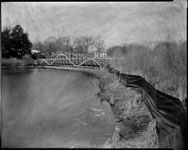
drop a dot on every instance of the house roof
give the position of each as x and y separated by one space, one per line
35 51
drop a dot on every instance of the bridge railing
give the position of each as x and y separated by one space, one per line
77 61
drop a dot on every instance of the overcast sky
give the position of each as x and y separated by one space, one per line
117 23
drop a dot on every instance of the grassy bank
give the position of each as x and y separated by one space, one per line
13 62
135 127
163 66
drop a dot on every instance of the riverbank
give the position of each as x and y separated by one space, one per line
72 68
135 127
11 67
21 63
13 62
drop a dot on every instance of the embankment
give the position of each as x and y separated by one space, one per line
72 68
147 117
17 63
135 126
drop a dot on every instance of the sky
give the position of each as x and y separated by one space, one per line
116 22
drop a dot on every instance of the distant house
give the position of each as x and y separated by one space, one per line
93 50
34 51
38 54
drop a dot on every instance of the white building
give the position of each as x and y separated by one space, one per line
34 51
100 55
93 50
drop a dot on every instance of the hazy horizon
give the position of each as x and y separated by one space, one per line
116 22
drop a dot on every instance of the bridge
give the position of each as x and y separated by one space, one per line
74 60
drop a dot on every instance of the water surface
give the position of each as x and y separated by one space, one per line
53 108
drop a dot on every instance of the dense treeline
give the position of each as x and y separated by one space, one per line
81 44
117 51
15 42
164 65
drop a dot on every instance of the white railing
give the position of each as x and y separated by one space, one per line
56 58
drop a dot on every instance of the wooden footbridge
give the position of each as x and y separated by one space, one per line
74 60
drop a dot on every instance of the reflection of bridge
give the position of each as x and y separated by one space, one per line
75 60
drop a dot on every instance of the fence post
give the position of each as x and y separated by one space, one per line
82 59
78 59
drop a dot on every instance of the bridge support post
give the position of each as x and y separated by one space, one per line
78 59
82 59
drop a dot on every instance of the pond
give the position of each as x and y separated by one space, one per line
44 108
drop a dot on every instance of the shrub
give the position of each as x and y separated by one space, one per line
164 66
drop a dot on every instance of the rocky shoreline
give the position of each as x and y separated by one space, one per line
135 127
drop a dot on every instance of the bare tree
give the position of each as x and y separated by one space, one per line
99 43
50 45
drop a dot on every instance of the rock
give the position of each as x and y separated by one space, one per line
116 135
124 130
111 101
